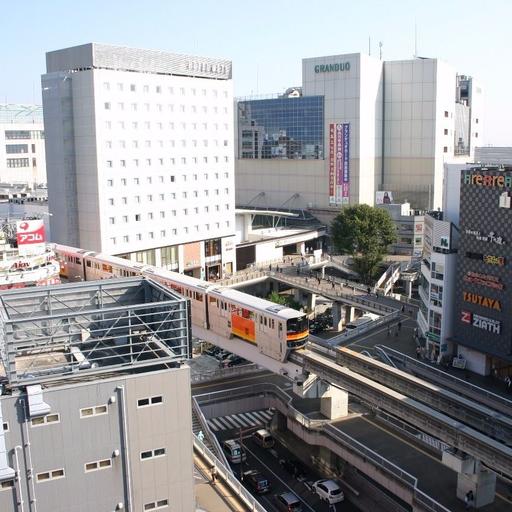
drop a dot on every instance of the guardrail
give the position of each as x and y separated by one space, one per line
349 334
223 373
323 428
461 385
207 431
224 473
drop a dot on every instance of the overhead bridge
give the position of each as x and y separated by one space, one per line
492 453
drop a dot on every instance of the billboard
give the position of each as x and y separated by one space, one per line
339 163
383 197
30 237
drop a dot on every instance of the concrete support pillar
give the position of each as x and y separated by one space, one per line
323 272
297 295
408 288
350 314
301 248
338 316
471 476
312 301
333 401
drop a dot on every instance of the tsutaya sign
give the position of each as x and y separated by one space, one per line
339 163
328 68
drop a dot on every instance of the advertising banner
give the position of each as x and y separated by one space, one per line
332 169
346 164
383 197
30 237
339 163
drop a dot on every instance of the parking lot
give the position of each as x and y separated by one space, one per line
284 473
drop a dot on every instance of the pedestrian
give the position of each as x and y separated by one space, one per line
415 332
333 285
508 382
369 291
403 309
277 268
389 331
200 436
418 352
270 268
332 507
399 325
298 271
213 472
468 499
396 332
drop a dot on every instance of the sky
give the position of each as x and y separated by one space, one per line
267 39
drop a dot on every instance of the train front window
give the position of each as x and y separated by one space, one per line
296 325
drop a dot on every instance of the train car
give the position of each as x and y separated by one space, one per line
72 261
274 329
196 290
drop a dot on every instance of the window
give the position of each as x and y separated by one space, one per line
17 162
107 105
149 179
156 505
50 475
113 240
126 239
151 235
123 181
158 89
174 231
206 209
162 215
151 454
445 149
162 233
146 88
217 207
172 179
446 113
111 201
162 196
476 135
111 220
110 183
8 484
152 400
185 211
5 426
150 197
446 131
137 217
137 199
132 88
138 236
97 465
109 163
120 106
124 200
122 163
196 209
125 218
173 213
97 410
476 120
106 86
17 148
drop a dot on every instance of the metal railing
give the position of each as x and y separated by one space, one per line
226 475
207 431
223 373
460 385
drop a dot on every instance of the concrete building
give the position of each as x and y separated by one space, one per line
493 155
264 236
96 413
357 125
483 298
22 151
140 152
409 228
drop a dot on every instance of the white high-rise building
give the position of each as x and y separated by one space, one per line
22 158
139 147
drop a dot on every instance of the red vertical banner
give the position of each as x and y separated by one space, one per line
332 168
339 163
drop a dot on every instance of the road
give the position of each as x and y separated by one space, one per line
267 461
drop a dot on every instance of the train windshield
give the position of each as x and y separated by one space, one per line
297 325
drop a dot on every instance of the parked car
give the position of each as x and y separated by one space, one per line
288 502
222 355
294 467
328 490
232 360
212 351
257 481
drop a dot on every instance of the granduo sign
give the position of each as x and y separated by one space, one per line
328 68
486 302
481 322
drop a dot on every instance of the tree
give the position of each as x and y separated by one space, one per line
284 300
364 232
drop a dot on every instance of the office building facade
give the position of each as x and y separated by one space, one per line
140 151
22 150
387 125
483 325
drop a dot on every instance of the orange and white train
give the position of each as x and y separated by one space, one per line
274 329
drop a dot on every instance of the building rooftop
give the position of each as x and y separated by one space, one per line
11 113
79 329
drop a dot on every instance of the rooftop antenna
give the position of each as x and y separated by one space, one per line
380 50
415 41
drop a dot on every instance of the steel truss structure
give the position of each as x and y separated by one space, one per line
59 331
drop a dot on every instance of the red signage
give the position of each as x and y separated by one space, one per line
332 168
30 232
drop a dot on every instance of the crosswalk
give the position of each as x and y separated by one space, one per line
240 420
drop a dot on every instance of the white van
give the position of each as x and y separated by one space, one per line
233 451
264 438
362 320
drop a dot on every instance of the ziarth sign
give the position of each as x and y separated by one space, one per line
481 322
329 68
